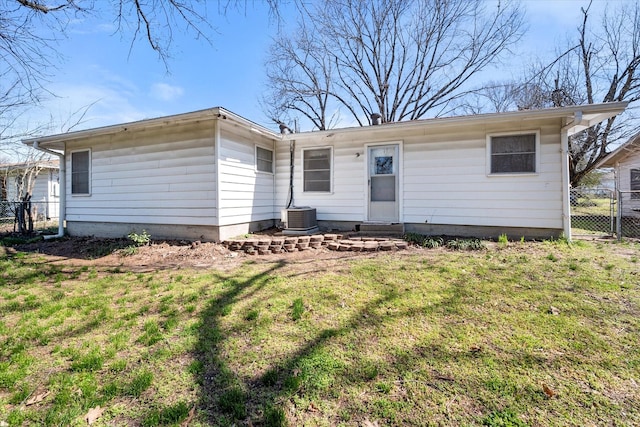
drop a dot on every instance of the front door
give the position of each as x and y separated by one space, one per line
383 183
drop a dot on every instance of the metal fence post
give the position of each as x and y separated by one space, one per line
619 216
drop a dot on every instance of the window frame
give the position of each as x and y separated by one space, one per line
632 172
489 155
88 172
304 170
258 147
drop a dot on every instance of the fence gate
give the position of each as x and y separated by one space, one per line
593 212
628 214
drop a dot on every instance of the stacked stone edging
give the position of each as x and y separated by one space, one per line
334 242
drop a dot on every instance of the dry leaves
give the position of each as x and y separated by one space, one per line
548 391
37 398
93 414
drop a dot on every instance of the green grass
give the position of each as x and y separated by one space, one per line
429 337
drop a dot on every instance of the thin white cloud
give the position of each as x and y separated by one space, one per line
166 92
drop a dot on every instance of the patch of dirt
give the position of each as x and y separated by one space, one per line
112 253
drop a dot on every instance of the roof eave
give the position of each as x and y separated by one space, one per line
57 141
589 115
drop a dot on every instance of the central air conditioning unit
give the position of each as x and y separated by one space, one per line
300 219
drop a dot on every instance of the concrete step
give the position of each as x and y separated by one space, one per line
377 228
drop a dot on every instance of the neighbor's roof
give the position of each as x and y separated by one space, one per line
578 117
629 148
44 164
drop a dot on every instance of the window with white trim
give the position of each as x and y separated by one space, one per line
264 160
635 183
316 170
514 153
80 172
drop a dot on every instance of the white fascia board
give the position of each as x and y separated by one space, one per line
591 115
217 113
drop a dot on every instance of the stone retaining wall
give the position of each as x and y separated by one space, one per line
334 242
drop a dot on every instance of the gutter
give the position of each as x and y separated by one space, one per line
62 174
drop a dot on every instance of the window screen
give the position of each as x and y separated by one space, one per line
317 170
80 172
264 160
513 153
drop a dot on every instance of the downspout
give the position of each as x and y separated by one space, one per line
62 174
566 190
292 150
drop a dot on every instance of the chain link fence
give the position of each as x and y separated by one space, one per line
29 217
628 214
602 212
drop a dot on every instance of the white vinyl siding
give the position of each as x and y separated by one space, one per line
155 176
317 170
246 195
81 172
444 178
628 176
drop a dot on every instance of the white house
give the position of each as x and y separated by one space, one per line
212 174
625 161
45 193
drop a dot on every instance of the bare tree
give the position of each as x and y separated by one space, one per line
299 75
402 59
603 67
600 64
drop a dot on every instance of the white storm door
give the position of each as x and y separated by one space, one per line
383 183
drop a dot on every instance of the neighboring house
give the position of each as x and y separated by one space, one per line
45 193
212 174
625 161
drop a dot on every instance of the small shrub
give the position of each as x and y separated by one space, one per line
466 245
141 239
433 242
415 238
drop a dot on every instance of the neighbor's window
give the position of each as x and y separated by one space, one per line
80 161
317 170
264 160
635 183
513 153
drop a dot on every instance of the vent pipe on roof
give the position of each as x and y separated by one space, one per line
375 119
284 128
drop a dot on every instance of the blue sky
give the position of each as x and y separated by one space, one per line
98 66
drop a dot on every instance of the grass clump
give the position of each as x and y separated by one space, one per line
297 309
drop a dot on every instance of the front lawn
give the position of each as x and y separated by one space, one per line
537 334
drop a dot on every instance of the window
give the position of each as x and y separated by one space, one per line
635 183
317 170
513 153
80 161
264 160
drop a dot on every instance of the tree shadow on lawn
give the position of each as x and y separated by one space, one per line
226 397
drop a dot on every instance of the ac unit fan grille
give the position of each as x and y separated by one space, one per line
301 219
